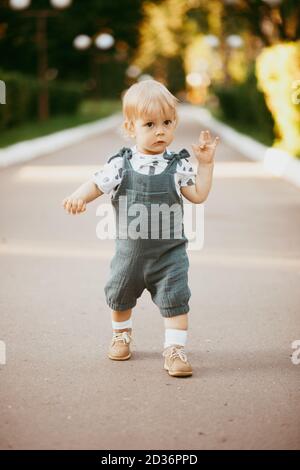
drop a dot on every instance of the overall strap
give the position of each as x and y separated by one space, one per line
125 153
176 157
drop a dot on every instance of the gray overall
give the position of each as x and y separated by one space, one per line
159 264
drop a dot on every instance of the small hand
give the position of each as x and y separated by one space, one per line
74 205
205 150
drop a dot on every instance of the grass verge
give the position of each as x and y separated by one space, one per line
89 111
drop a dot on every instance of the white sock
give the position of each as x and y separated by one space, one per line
173 336
120 325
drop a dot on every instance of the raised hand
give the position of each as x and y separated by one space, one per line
205 150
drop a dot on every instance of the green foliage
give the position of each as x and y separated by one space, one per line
64 97
176 75
22 99
88 111
243 106
111 80
18 48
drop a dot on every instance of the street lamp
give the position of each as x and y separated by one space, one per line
198 82
19 4
61 4
211 40
133 71
102 41
41 17
234 41
82 42
272 3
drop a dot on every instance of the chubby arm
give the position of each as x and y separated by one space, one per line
204 153
76 202
198 192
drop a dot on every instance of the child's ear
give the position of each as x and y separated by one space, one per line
129 126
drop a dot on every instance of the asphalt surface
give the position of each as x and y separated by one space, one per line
58 388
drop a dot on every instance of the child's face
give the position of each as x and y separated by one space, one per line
153 134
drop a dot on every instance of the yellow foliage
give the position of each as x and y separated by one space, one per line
160 31
200 57
277 70
237 65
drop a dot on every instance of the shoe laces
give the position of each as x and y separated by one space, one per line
123 336
175 351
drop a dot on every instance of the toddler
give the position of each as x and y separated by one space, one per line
148 175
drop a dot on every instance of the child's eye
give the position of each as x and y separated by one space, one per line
166 123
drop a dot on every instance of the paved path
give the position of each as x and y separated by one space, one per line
58 388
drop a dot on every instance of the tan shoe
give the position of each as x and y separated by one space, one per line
176 362
119 349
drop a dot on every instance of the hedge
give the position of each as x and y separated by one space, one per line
22 99
244 104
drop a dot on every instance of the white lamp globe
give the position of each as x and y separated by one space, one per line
194 79
104 41
234 41
272 3
61 3
145 76
212 40
82 42
133 71
19 4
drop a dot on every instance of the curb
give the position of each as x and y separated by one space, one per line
30 149
275 161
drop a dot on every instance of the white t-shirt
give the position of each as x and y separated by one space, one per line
109 177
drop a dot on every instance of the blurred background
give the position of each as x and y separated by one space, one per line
67 62
64 63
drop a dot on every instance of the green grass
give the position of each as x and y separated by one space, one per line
89 111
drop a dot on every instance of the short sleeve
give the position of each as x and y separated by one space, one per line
186 173
109 176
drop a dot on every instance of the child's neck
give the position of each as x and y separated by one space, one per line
147 153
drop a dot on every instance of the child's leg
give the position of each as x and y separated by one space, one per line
180 322
176 362
119 349
121 320
176 330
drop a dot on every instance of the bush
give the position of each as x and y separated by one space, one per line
22 99
278 69
65 98
244 105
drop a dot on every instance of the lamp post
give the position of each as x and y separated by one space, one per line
41 17
102 41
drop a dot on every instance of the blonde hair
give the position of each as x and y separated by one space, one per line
145 98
